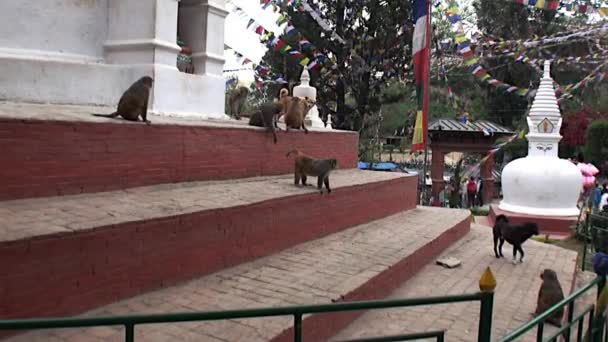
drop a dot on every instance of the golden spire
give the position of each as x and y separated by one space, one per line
487 282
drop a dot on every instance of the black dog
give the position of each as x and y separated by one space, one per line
516 235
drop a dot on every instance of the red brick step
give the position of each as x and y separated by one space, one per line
368 261
63 255
58 150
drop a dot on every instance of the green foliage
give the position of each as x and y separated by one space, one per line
375 39
476 211
596 148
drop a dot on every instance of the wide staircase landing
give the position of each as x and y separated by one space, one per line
365 262
514 300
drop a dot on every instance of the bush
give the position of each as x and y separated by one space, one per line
480 212
596 147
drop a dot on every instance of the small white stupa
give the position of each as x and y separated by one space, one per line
542 184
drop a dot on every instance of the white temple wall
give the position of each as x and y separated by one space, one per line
89 51
75 29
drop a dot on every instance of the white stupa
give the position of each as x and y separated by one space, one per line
542 183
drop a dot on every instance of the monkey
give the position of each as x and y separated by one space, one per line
134 101
236 100
309 166
550 293
284 100
298 108
266 116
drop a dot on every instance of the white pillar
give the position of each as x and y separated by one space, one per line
304 89
201 26
329 123
142 32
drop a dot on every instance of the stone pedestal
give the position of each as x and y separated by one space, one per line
304 89
555 226
106 45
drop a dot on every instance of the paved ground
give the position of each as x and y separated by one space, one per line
314 272
40 216
515 297
20 110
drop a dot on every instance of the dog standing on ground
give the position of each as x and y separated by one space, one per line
516 235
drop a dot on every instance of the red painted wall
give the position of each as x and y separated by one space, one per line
67 274
48 158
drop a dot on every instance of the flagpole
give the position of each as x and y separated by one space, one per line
426 138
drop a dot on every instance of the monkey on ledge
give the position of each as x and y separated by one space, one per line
134 101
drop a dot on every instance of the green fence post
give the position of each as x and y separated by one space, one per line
297 327
487 284
129 332
598 334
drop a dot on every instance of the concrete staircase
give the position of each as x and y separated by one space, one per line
107 217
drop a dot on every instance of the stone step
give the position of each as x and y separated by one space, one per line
67 254
364 262
515 295
50 150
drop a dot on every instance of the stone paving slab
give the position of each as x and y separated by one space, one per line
56 112
515 296
63 214
318 271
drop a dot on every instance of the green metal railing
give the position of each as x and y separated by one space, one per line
595 237
129 322
438 335
596 332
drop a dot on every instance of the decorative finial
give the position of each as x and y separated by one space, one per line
487 282
547 73
305 78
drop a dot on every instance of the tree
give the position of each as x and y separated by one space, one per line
596 147
377 47
512 21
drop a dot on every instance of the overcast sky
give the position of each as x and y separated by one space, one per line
244 41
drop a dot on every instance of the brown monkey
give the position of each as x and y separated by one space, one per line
284 100
266 116
550 293
236 100
298 108
134 102
309 166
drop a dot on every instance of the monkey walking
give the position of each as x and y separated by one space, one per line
298 108
309 166
134 102
266 116
550 293
237 100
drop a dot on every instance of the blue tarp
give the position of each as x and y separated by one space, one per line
377 166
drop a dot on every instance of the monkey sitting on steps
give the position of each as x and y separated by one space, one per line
298 108
308 166
134 101
550 293
237 100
